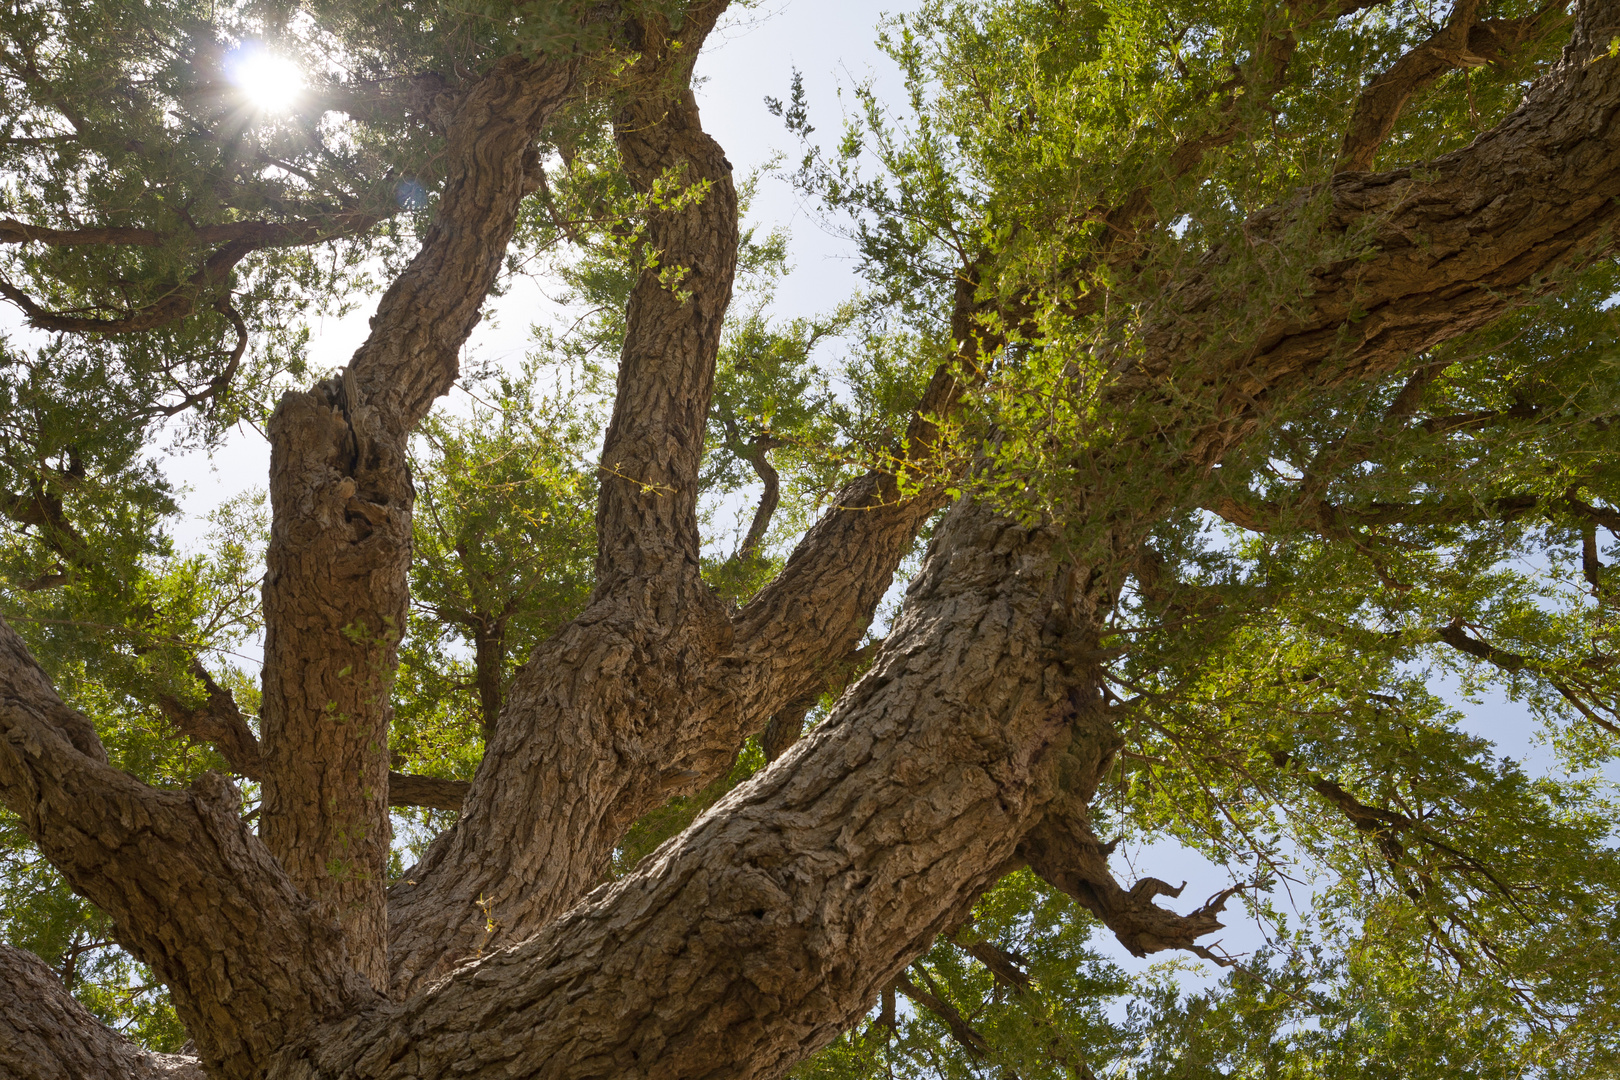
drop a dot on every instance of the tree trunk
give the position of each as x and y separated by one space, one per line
774 921
974 743
337 587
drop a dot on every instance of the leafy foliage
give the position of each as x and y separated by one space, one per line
1276 647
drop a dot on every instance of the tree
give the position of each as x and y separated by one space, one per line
1238 363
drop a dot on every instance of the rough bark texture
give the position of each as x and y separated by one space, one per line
220 723
190 889
337 589
777 918
973 744
46 1035
589 722
1442 251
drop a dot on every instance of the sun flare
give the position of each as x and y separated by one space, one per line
270 83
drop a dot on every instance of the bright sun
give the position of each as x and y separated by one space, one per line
270 82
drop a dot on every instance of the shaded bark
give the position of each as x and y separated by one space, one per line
784 728
756 454
489 670
974 744
219 722
963 1032
1465 41
778 917
583 746
46 1035
405 789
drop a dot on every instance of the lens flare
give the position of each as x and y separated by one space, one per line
270 83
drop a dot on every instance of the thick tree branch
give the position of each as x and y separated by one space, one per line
46 1035
1481 231
191 890
647 510
1002 964
259 234
961 1031
221 382
730 952
390 101
585 737
1596 515
489 668
1063 850
219 722
176 304
784 728
873 834
1250 88
1511 662
336 590
1487 230
438 793
1333 520
41 509
235 240
755 453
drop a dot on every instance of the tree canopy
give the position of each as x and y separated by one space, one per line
1232 396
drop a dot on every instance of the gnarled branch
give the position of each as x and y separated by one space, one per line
192 891
1063 850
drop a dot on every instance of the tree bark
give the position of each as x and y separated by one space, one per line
489 669
974 743
776 919
1495 216
46 1035
191 891
593 713
337 587
1441 251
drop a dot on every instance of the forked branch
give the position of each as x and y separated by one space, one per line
1063 850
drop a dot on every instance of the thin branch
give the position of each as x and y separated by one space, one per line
755 453
961 1031
261 234
219 722
219 383
241 240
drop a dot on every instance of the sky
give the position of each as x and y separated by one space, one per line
752 56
